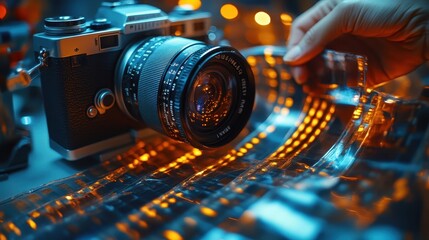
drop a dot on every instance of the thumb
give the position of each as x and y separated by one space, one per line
317 37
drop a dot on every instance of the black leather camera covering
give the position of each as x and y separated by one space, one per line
69 86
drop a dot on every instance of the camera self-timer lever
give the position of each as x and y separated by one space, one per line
21 77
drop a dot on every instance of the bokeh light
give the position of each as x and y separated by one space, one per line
286 19
195 4
229 11
3 11
262 18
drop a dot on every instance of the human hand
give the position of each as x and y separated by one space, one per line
392 34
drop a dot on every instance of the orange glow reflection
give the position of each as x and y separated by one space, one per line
208 212
32 224
172 235
14 228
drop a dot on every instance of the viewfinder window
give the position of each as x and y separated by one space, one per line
109 41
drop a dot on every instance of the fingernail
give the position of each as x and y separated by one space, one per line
300 74
292 54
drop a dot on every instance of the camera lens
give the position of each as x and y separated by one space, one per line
186 89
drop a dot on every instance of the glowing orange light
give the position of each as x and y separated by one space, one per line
148 211
133 218
229 11
35 214
286 19
243 150
272 96
251 60
32 224
172 235
271 73
224 201
262 18
190 221
3 11
144 157
272 82
400 189
271 129
208 212
255 140
194 4
14 228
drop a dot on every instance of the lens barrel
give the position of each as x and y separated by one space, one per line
186 89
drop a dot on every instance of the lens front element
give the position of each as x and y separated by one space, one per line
210 98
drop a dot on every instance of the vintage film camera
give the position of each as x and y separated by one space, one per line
129 70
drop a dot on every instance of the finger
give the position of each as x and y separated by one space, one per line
300 74
317 37
308 19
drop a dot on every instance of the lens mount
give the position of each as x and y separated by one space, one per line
185 89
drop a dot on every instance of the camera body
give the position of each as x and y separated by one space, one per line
78 81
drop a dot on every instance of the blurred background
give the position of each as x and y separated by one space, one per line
245 23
